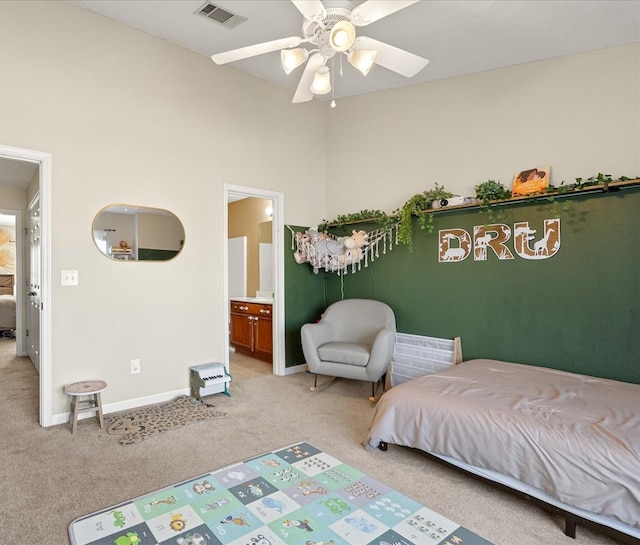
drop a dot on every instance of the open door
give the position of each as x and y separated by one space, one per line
34 304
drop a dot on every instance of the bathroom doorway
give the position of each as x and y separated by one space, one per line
264 268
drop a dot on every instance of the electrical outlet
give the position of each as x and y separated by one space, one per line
135 367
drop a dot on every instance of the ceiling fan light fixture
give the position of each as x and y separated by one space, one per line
342 36
292 58
362 59
321 81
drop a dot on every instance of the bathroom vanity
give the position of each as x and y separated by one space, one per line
251 327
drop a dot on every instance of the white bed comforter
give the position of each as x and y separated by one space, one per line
573 436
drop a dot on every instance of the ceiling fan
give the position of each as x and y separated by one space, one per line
331 30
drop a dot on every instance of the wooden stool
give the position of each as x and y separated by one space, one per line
86 388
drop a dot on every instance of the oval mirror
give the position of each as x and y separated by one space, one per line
137 233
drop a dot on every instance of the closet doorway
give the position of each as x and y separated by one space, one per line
264 278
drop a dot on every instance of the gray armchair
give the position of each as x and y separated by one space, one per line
354 339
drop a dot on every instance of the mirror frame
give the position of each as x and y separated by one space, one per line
121 237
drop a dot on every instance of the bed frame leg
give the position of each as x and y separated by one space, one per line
383 446
570 528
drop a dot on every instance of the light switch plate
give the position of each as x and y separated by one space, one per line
69 278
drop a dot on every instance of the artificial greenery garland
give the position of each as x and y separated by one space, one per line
489 194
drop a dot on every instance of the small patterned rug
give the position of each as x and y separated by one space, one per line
139 424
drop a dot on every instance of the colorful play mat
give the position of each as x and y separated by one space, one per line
297 495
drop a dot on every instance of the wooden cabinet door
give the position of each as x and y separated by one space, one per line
263 338
242 331
251 332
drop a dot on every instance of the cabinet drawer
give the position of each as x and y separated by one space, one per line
255 309
240 308
260 310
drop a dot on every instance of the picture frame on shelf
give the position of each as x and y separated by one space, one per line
530 181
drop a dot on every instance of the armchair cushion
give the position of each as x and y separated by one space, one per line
349 353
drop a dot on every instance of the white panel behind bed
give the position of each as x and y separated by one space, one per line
417 355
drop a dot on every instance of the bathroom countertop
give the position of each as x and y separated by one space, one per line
261 300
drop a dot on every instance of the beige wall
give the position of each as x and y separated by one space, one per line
160 232
244 219
13 198
114 228
580 113
126 119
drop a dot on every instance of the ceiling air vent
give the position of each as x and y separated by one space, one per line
219 15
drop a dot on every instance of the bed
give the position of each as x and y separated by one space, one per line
7 303
571 442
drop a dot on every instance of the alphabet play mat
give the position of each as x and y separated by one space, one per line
297 495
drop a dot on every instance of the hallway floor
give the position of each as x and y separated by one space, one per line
243 367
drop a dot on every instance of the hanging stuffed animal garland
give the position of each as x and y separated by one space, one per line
335 254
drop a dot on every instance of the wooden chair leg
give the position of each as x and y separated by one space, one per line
74 414
316 388
98 403
374 387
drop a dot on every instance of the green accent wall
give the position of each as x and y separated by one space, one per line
304 300
151 254
578 311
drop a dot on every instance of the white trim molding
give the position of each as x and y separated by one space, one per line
44 161
277 226
63 418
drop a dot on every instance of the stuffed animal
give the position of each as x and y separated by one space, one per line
322 251
302 243
358 239
353 245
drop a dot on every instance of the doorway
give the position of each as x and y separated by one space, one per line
11 251
42 161
232 192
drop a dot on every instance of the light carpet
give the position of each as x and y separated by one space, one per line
50 476
144 422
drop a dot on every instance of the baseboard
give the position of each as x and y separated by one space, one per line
63 418
295 369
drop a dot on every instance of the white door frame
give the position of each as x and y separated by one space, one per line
277 227
44 161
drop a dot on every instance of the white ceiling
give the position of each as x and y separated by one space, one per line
457 36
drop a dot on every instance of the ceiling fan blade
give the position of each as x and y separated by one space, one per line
311 9
303 92
393 58
257 49
372 10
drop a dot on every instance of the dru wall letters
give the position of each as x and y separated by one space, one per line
456 244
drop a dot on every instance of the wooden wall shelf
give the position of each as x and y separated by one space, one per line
608 187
